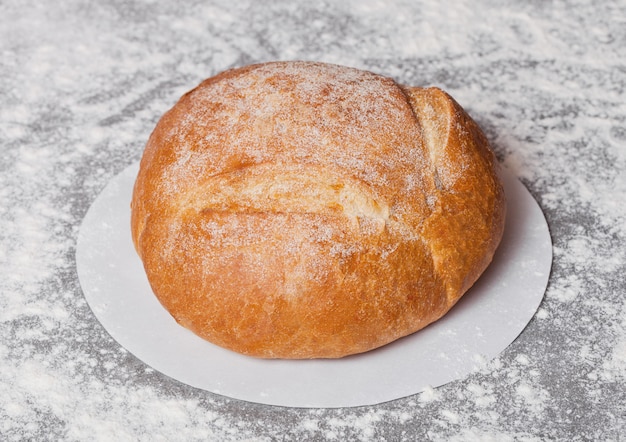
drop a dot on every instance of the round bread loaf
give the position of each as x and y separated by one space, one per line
308 210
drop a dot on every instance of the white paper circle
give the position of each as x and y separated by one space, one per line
486 320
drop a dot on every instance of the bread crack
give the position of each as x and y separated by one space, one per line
273 188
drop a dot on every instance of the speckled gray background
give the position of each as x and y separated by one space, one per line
81 87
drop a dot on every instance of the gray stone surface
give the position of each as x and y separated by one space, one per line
81 87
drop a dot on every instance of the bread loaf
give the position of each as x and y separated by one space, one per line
308 210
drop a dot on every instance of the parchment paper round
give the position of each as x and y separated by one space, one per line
486 320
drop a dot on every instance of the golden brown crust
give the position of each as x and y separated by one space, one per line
301 210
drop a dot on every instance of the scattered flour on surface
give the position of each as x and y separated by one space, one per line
82 87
